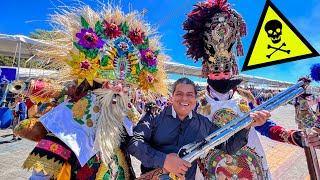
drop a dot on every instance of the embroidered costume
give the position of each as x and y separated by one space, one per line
212 30
111 55
315 75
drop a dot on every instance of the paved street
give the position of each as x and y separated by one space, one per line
285 161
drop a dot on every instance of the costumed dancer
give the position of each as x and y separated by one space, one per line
315 75
20 112
309 123
110 53
213 28
42 95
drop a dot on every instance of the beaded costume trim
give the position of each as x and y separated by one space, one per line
54 148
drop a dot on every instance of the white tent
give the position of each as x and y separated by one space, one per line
10 45
19 46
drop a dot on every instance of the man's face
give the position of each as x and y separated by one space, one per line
219 75
184 99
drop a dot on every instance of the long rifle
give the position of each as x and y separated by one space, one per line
193 151
307 122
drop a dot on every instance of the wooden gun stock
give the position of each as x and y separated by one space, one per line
313 164
152 175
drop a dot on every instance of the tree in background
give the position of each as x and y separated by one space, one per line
13 62
38 34
44 34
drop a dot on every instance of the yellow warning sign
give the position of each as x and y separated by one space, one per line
276 41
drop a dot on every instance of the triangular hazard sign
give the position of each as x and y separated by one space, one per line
276 41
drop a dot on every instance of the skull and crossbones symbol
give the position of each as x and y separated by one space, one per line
274 30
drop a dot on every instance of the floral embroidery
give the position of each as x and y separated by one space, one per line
284 135
245 164
93 160
81 109
204 110
85 172
54 148
244 108
204 102
223 116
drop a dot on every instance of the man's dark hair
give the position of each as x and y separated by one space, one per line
184 80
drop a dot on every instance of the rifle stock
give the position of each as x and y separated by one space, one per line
307 122
152 175
312 162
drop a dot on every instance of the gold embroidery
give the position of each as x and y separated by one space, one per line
173 177
204 110
247 95
96 109
79 108
54 147
244 108
233 171
48 166
133 116
284 135
102 171
123 163
89 123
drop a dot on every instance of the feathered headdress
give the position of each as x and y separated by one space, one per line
315 72
105 46
110 47
212 30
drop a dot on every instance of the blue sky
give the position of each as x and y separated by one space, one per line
169 15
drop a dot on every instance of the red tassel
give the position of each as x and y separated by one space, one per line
205 72
235 70
243 29
223 5
239 48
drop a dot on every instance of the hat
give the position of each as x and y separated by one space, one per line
212 30
106 46
20 95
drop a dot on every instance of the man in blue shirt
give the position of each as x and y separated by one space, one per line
20 112
157 141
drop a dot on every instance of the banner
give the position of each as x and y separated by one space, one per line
7 74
